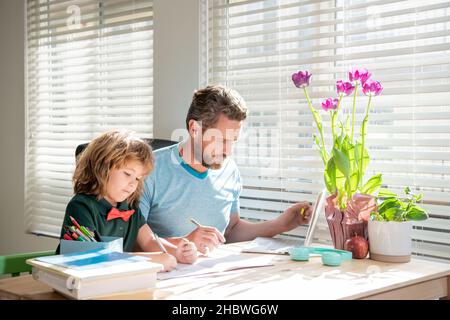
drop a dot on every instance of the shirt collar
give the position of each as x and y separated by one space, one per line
107 206
187 167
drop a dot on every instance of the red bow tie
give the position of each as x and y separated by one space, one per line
116 213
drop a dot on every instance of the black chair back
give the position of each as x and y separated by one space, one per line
154 143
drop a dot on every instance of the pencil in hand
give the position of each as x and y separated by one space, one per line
158 241
196 223
302 211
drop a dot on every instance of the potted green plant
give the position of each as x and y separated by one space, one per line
350 198
390 226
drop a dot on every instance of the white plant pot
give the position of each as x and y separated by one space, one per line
390 241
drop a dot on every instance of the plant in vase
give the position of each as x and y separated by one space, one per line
350 199
390 227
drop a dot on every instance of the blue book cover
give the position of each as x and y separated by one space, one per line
98 258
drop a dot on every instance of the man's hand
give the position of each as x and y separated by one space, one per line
186 251
206 238
299 213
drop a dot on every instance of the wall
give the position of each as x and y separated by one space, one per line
175 78
12 128
176 63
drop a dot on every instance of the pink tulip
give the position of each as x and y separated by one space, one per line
361 75
345 88
371 87
330 103
301 79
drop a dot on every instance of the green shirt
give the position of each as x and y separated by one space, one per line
92 213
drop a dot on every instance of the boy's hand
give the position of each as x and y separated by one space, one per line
167 260
186 251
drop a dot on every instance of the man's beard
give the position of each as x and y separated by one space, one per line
198 155
213 166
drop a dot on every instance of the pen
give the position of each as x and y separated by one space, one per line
163 249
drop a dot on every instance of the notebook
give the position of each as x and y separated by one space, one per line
280 245
95 273
217 262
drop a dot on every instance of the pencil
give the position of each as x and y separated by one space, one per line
74 222
163 249
302 210
219 235
196 223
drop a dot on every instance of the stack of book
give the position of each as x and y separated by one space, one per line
95 273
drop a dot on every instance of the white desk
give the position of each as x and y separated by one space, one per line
287 279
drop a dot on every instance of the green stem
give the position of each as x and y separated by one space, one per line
317 120
333 118
363 138
353 111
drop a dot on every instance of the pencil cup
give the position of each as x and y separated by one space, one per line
110 243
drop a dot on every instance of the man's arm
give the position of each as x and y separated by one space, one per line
147 197
241 230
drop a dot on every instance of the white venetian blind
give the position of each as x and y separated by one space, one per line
89 69
256 45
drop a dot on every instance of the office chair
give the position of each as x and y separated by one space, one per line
154 143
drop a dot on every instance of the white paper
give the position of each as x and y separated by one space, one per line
216 262
272 245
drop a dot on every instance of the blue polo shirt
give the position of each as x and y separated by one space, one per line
174 193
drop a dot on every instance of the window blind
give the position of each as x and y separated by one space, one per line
256 45
89 69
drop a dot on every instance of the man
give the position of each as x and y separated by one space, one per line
197 179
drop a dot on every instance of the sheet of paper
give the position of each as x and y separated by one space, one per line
216 262
272 245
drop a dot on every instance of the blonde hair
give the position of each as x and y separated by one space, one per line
111 150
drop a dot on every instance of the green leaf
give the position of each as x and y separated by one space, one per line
418 198
330 176
407 190
348 148
416 213
354 178
372 185
392 214
342 162
340 181
385 193
389 203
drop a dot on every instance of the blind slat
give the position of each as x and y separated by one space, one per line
255 46
80 83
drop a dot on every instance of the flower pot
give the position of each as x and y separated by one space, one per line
346 224
390 241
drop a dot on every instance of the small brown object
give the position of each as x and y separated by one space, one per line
358 246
